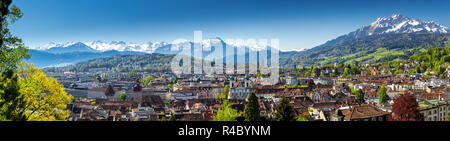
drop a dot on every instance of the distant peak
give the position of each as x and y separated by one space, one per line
398 23
394 16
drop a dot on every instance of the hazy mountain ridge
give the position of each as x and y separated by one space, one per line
44 59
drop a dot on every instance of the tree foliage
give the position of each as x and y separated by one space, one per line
163 119
369 49
405 108
360 96
226 90
252 111
12 103
45 98
284 111
12 52
382 95
304 117
224 93
123 96
147 80
172 117
109 91
226 112
436 60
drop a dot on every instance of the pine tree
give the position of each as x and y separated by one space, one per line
252 111
360 96
109 91
284 110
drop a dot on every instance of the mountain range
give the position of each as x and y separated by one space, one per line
387 38
55 55
395 24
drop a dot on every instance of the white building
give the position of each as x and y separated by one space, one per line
239 89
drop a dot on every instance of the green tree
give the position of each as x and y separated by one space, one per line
252 111
12 103
217 95
46 99
418 70
304 117
306 74
360 96
284 111
170 86
147 80
346 72
224 93
172 117
226 90
163 119
123 96
382 95
295 86
226 112
259 75
314 71
12 52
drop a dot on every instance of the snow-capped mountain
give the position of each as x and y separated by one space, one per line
395 33
149 47
398 23
294 50
67 48
53 54
395 24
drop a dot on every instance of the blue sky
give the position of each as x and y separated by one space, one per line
298 24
